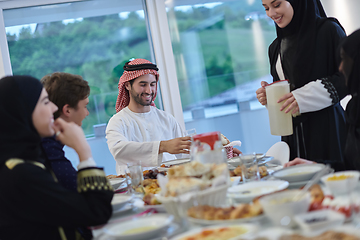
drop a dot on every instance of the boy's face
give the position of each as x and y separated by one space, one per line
80 113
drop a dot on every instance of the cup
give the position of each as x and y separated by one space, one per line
249 167
136 175
280 122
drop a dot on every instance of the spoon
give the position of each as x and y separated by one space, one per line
313 180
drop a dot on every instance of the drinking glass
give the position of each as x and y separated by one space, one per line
249 167
136 175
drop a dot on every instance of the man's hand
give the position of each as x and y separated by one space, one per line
298 161
176 145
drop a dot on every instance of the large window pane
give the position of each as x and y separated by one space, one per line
90 38
220 50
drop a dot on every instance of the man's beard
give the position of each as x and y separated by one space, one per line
138 99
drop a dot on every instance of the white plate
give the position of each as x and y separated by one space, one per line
298 173
139 228
204 222
248 191
116 182
251 228
119 200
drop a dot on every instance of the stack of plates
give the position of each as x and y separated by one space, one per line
298 175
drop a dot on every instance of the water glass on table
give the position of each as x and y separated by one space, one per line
136 175
249 167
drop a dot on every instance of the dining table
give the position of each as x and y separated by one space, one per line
135 209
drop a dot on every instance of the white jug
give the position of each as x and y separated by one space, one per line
280 122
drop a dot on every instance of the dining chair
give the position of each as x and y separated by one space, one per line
280 151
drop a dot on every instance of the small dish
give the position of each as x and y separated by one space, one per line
119 200
247 192
298 173
139 228
320 220
342 182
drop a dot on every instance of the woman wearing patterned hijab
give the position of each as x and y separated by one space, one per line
304 53
33 205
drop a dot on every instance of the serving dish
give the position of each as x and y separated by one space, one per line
166 165
247 192
298 173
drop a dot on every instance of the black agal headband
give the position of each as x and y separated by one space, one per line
128 67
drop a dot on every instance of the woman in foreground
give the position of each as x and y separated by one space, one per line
33 205
350 62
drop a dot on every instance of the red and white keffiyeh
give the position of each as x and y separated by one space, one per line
123 98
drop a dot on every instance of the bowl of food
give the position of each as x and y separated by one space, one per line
281 207
341 182
298 173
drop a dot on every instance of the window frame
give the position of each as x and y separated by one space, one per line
155 12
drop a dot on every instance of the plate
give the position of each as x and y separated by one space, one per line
139 228
298 173
247 192
116 182
250 228
119 200
204 222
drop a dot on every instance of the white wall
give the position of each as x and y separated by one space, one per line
346 11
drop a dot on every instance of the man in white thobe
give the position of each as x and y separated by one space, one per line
139 131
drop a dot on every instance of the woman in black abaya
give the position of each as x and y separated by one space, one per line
350 60
33 205
304 53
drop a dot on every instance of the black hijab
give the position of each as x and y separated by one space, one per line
18 136
351 47
308 16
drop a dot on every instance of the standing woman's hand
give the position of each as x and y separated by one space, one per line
72 135
261 93
290 103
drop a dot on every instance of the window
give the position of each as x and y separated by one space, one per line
93 39
220 51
